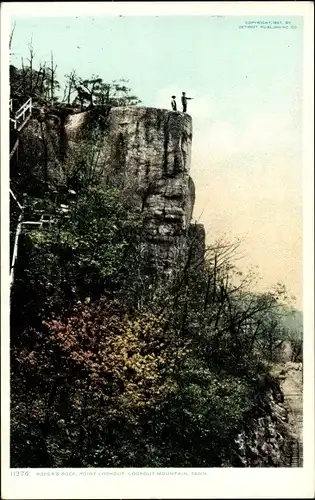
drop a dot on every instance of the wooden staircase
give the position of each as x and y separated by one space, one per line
18 120
22 115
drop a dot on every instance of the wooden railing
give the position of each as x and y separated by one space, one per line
15 199
19 119
45 221
21 116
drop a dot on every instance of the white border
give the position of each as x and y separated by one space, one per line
216 483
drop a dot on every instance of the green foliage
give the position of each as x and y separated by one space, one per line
166 383
230 325
95 92
204 416
87 249
109 389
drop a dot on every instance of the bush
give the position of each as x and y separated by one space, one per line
95 371
93 247
204 416
101 388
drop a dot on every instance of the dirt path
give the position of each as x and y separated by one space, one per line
291 376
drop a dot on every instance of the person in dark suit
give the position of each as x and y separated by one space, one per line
184 101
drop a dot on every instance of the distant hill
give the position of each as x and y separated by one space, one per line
293 320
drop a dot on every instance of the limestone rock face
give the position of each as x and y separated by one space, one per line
149 150
264 439
38 152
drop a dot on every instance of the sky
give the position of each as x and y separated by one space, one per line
247 113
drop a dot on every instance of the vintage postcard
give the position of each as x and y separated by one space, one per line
157 250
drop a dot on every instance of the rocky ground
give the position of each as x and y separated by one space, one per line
291 377
273 432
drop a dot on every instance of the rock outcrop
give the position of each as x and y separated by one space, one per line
273 428
149 150
263 442
291 377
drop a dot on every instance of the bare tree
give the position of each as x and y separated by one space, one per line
70 86
52 77
24 91
11 37
30 60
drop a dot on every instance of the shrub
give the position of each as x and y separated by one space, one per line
95 371
94 247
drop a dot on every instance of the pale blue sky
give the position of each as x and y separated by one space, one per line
209 54
247 89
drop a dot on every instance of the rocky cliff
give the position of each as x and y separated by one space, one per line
149 149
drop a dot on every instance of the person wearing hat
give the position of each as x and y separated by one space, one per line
173 103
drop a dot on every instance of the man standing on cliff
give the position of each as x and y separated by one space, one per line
184 101
173 103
